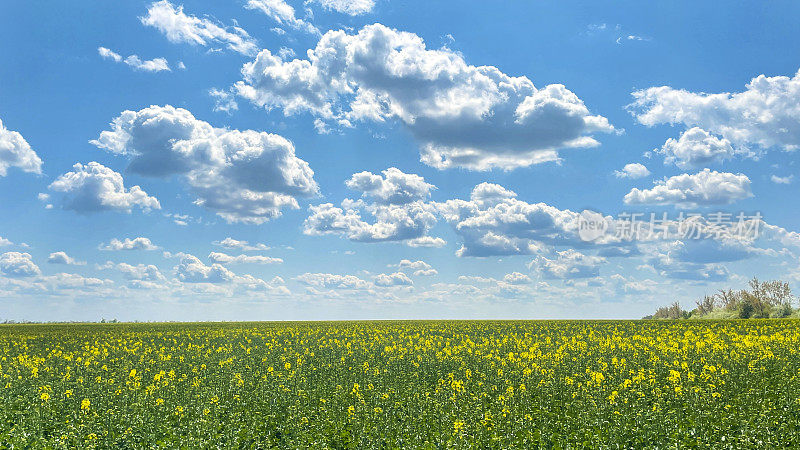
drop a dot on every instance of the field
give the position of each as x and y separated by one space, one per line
450 384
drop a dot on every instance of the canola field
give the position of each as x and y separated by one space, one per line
438 384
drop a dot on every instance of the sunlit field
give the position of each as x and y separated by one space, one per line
569 384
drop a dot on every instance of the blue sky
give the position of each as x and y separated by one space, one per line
194 161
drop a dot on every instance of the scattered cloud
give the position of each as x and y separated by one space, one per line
462 115
231 243
282 13
137 243
764 114
16 152
18 265
349 7
244 176
133 61
782 180
180 27
63 258
696 147
568 264
704 188
192 270
632 170
224 101
394 187
393 279
224 258
94 187
333 281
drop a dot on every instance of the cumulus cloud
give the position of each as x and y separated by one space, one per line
180 27
418 268
333 281
139 272
16 152
349 7
94 187
136 63
426 241
391 222
393 279
192 270
633 170
516 278
493 223
244 176
282 13
696 147
63 258
468 116
764 114
689 191
231 243
394 187
18 265
138 243
224 258
568 264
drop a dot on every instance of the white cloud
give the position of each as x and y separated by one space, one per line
179 27
231 243
493 222
468 116
63 258
107 53
224 258
392 222
224 101
333 281
133 61
393 279
669 267
394 187
16 152
426 241
138 243
516 278
94 187
632 170
569 264
349 7
139 272
244 176
696 147
766 113
192 270
18 265
411 265
688 191
782 180
282 13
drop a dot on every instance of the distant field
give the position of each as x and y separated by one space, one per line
402 384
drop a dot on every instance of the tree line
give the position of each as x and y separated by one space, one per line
763 299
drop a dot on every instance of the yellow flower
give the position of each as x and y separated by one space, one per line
85 404
44 396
